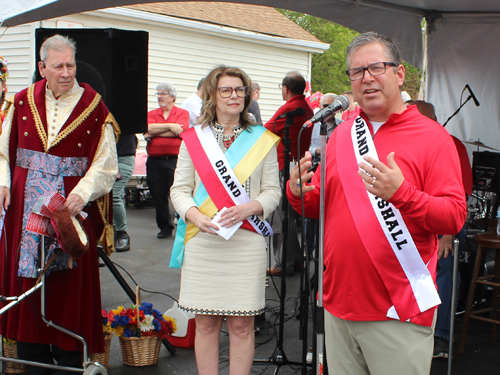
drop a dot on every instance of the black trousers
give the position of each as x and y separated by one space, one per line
160 177
44 353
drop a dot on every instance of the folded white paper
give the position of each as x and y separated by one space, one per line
224 232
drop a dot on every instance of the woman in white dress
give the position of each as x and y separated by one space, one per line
225 278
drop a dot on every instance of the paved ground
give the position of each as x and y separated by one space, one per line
147 264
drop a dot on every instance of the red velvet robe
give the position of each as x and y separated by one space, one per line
73 298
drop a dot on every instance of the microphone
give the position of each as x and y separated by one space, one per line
341 103
298 112
472 94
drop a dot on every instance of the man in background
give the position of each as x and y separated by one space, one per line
254 108
125 148
194 103
331 125
165 124
292 91
352 110
444 278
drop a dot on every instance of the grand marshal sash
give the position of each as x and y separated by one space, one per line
222 176
389 244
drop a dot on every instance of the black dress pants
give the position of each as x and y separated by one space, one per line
160 177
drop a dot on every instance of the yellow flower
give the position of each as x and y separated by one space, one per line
118 310
119 330
106 328
172 321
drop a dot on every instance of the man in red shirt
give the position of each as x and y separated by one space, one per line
393 182
292 90
165 124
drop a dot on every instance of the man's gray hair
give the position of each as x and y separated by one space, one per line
56 42
255 86
391 49
168 88
330 94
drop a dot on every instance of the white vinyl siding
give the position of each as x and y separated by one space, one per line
17 46
178 54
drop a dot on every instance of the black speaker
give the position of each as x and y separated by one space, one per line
486 171
115 63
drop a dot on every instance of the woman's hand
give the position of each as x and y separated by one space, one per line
235 214
202 222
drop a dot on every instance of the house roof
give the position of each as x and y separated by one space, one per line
260 19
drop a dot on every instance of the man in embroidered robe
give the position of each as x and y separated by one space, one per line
58 137
393 183
292 90
165 124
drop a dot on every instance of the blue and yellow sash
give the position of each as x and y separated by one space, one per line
244 156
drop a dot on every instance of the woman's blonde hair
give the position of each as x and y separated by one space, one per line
208 112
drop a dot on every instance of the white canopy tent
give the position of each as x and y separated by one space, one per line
463 45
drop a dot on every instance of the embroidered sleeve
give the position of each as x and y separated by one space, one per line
4 149
101 176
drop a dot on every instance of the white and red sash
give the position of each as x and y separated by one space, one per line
389 244
243 157
220 180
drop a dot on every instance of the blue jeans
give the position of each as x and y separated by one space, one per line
126 165
444 280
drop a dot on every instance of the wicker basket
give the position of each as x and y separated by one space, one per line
10 350
103 358
140 352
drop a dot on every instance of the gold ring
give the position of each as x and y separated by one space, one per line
233 220
374 180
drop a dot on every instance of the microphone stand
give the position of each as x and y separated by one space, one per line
458 110
320 312
279 358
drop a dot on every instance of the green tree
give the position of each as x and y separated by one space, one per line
328 69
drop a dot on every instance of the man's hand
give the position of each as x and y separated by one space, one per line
75 204
4 198
445 246
176 129
380 179
163 129
295 182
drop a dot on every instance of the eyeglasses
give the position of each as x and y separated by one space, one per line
325 105
374 69
280 85
226 91
162 94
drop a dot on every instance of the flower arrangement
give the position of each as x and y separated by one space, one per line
7 341
123 322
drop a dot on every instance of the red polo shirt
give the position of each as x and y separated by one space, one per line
167 146
279 128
